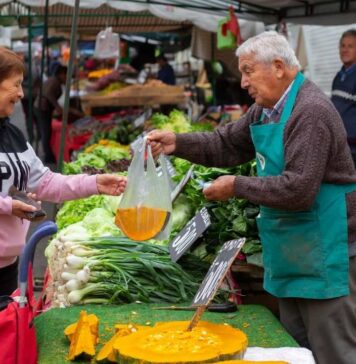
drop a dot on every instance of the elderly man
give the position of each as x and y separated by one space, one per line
344 87
306 187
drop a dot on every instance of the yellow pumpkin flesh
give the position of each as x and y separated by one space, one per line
170 342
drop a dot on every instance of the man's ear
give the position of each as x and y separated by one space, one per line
279 68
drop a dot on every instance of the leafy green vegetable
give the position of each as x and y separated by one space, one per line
176 122
75 210
101 222
108 153
231 219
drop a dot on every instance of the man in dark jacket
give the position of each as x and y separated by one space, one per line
166 72
44 108
306 189
344 87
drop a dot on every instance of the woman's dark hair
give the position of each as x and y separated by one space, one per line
10 64
348 33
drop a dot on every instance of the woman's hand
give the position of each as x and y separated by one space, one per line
110 184
161 142
20 208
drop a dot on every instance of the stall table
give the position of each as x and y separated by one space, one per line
136 95
260 325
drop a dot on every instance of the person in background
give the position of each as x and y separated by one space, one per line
165 72
53 64
20 167
343 93
47 106
35 85
306 189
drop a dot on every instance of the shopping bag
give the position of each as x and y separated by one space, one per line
228 34
107 44
144 211
17 332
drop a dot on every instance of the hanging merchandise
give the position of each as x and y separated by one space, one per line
107 44
145 208
228 34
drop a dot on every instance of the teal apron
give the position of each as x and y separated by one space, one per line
305 254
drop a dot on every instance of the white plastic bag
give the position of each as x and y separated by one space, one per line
145 209
107 44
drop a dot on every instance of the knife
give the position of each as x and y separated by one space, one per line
213 307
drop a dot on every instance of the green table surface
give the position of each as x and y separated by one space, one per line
260 325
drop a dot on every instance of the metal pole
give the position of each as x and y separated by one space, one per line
30 98
44 43
72 57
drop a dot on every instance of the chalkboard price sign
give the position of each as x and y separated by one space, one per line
191 232
170 168
217 271
182 184
142 118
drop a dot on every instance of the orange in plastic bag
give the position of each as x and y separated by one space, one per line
145 208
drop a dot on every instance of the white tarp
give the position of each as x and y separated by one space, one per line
311 12
205 22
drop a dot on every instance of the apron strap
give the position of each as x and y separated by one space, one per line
288 107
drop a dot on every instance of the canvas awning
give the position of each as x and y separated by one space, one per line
322 12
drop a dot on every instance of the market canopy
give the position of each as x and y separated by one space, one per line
323 12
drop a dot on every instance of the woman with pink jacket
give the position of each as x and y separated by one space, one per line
20 167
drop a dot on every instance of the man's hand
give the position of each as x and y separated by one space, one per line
222 189
161 142
111 184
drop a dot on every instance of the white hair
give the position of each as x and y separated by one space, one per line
268 46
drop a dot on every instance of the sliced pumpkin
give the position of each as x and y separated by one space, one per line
93 323
107 352
82 341
250 362
170 342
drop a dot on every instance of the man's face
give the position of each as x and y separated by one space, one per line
348 50
260 80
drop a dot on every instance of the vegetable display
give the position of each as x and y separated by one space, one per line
91 261
118 270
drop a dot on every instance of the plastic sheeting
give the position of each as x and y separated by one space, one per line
311 12
208 22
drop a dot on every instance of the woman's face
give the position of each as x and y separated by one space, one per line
10 93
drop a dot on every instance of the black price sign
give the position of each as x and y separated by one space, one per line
170 168
159 171
191 232
182 184
217 271
142 118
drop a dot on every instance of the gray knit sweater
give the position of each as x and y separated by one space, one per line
315 151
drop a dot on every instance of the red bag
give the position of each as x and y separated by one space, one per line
17 330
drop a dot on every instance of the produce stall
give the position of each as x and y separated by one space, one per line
94 267
152 93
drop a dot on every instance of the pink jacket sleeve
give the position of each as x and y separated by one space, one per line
56 187
6 205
